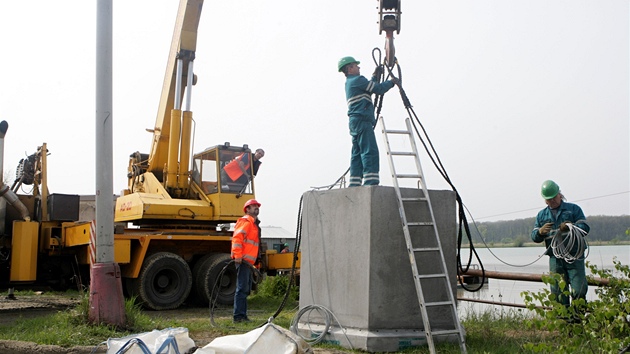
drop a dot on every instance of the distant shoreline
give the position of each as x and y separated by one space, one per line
533 244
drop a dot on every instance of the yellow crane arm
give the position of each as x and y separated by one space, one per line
183 46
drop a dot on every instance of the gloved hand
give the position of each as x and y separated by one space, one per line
395 80
545 229
378 71
564 226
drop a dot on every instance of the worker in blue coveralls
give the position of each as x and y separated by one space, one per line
364 165
555 221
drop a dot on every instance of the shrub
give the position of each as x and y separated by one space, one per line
276 287
598 326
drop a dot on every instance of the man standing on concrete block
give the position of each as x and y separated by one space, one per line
364 164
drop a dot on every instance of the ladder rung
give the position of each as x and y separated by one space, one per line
413 199
393 131
429 276
407 176
419 224
425 249
445 332
438 303
402 153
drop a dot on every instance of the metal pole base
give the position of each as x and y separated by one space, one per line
107 304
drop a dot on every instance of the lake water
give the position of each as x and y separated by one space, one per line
518 260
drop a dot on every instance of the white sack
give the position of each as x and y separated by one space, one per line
153 340
267 339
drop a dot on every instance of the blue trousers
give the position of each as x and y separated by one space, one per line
243 288
574 274
364 163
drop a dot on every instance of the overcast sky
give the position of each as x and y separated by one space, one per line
511 93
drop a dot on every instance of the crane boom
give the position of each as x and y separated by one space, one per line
183 46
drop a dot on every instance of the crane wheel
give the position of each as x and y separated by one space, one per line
197 294
210 278
164 281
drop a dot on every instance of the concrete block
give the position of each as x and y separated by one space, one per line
355 263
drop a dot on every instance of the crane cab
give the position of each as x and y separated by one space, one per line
224 169
220 182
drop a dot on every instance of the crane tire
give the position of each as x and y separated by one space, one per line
164 281
207 275
195 296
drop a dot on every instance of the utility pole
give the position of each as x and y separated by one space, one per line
106 298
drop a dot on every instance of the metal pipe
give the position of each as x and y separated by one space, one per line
189 85
4 126
510 304
525 276
13 199
178 84
186 131
5 191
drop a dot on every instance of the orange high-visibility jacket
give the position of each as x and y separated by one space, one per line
246 239
233 169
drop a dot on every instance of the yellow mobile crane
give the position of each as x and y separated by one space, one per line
181 214
171 238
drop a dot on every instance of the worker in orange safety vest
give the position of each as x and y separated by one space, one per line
238 170
245 242
237 167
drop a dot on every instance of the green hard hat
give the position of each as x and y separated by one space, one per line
549 189
345 61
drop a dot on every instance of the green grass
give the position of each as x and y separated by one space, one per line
490 332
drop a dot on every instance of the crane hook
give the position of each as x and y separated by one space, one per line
389 21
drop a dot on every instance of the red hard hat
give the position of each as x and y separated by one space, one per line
250 202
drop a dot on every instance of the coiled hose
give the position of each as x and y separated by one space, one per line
315 336
571 245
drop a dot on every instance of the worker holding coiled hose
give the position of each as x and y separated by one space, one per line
563 227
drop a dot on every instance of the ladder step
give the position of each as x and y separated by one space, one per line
438 303
402 153
430 276
426 249
407 176
413 199
419 224
394 131
445 332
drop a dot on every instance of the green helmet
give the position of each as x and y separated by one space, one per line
345 61
549 189
286 245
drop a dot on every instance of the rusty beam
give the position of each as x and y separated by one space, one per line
526 276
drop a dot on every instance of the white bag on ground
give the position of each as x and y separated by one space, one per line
153 341
264 340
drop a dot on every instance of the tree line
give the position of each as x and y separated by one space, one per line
603 228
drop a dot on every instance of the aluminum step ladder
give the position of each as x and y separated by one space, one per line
432 281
